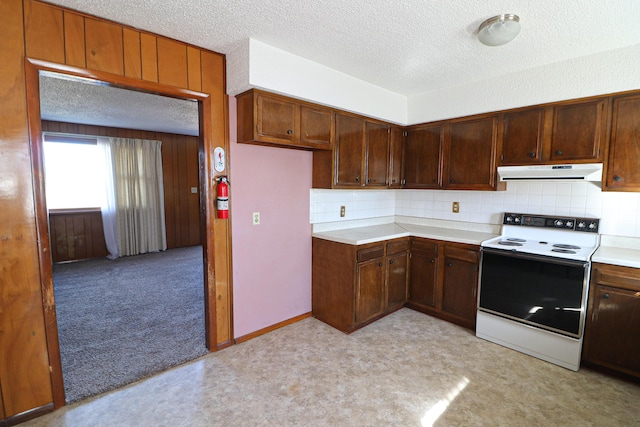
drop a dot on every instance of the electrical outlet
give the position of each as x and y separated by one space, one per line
455 208
256 218
342 211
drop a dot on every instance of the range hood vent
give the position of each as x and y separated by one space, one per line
586 172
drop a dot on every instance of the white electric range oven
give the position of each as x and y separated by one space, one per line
534 282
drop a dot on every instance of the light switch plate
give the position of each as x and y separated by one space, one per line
256 218
455 207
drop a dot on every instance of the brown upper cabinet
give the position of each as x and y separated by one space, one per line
361 152
352 151
269 119
568 132
469 154
622 172
423 156
521 134
457 154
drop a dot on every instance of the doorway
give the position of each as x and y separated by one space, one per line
204 105
125 319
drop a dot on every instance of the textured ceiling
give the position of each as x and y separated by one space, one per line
408 47
77 101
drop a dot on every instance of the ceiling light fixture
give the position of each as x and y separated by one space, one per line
499 30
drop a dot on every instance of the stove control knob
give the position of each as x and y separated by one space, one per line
516 220
558 223
569 224
592 225
582 224
508 219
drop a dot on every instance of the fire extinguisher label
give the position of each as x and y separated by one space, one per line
223 204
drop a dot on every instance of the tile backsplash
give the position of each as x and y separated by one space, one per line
619 212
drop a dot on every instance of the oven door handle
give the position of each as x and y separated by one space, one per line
552 260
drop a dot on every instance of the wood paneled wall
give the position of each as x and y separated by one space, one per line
180 171
66 37
24 363
76 234
58 39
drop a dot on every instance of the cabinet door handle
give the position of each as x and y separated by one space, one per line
390 261
605 296
452 180
532 154
393 180
559 152
617 178
433 261
449 264
435 181
289 132
379 264
357 179
368 180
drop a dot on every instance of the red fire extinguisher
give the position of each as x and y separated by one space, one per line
222 197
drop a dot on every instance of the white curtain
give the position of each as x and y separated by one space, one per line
109 223
133 215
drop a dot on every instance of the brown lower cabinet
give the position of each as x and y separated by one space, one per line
612 339
443 280
355 285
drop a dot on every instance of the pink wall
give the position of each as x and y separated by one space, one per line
271 261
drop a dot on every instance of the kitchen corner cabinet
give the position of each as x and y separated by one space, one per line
443 280
269 119
361 152
567 132
396 158
613 319
622 172
354 285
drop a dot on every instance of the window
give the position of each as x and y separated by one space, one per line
74 172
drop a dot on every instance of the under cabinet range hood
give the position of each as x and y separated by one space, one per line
585 172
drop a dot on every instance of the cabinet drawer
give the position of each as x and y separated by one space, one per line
397 247
621 277
370 253
463 254
424 245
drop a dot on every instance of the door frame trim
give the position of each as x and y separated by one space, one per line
33 67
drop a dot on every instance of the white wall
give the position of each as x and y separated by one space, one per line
608 72
619 212
278 71
256 64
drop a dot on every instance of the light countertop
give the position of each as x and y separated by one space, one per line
378 233
617 256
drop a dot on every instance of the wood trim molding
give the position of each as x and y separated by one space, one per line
118 80
42 229
272 328
27 415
